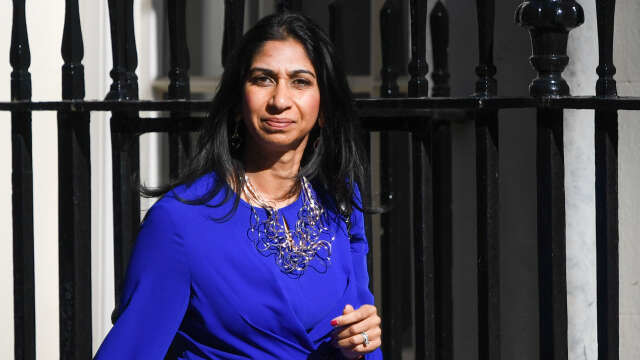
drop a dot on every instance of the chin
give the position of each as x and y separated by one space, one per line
280 143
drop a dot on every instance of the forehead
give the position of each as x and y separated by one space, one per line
284 55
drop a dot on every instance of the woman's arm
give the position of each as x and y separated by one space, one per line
365 318
155 294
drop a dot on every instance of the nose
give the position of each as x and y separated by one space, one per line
281 98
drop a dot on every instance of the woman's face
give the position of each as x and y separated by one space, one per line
281 97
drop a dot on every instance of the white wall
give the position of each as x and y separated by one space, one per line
626 55
580 193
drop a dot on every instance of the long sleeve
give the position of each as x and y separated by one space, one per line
155 295
359 249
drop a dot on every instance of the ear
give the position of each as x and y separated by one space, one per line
320 120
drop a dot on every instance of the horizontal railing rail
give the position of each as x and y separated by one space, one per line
366 107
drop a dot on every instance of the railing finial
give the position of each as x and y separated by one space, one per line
549 23
606 85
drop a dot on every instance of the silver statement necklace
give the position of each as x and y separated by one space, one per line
293 249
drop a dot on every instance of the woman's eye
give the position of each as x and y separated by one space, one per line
261 80
301 82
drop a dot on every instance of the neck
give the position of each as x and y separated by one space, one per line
274 174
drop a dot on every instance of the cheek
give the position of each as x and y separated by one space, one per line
251 104
311 104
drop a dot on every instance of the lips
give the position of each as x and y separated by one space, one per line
278 123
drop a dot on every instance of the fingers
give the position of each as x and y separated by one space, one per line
350 326
363 312
347 309
356 329
356 342
361 349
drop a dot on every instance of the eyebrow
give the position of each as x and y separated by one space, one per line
273 74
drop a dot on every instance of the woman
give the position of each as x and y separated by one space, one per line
258 251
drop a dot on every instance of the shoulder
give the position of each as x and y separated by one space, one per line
183 201
195 189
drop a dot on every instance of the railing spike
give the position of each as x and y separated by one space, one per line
20 54
124 53
486 70
179 87
606 177
22 194
418 67
439 21
289 5
388 35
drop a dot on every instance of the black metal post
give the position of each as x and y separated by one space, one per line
179 88
392 324
442 189
74 203
606 156
487 170
124 141
549 23
22 195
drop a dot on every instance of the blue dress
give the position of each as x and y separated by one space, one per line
201 287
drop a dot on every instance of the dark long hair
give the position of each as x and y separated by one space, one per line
334 164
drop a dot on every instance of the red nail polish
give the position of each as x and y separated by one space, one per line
334 322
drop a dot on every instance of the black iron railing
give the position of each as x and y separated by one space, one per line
428 121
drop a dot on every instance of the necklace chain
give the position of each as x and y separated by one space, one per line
272 236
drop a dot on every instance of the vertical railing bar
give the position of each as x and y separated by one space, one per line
179 87
487 174
606 157
333 21
124 141
442 189
391 326
233 26
549 23
551 235
22 195
366 144
424 251
74 204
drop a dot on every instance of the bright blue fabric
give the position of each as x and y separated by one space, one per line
203 285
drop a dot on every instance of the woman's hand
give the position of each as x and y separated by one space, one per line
353 327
